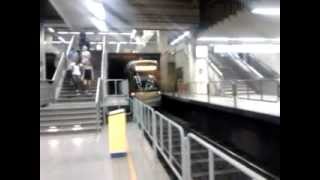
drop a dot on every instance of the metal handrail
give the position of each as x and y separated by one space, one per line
98 102
146 117
259 88
214 151
152 123
60 71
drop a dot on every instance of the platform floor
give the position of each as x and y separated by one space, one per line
85 157
272 108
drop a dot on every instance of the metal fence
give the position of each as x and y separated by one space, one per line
181 151
267 90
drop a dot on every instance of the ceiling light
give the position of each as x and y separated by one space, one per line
133 34
145 68
239 39
99 47
247 48
61 39
99 24
66 32
185 34
267 11
51 30
89 33
96 8
118 48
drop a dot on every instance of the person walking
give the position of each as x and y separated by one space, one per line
88 69
76 75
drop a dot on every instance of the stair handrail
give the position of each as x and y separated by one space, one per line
98 100
61 68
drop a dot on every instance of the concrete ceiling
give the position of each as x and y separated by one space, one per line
128 14
246 24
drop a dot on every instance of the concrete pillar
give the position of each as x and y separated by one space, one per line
42 54
162 41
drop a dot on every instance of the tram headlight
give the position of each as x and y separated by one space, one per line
159 92
133 94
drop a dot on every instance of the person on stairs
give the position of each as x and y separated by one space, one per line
88 69
76 75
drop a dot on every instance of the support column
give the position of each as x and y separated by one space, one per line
162 41
42 53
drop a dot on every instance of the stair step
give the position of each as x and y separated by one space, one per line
76 99
70 129
68 123
67 112
75 95
66 118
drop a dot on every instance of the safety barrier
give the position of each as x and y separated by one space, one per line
176 147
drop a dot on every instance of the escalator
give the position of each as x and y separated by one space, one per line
229 67
265 70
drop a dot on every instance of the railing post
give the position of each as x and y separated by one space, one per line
234 93
154 130
211 165
208 91
261 90
278 91
186 172
170 141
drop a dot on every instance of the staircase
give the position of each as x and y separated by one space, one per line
73 112
242 89
69 117
68 93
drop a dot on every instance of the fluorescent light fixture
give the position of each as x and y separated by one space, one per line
112 42
179 38
118 48
99 24
114 33
76 128
267 11
133 34
61 39
145 68
66 32
89 33
51 30
96 8
201 51
92 42
218 39
239 39
248 48
99 47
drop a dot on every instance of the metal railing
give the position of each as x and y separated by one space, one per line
59 74
166 135
174 145
214 153
267 90
98 99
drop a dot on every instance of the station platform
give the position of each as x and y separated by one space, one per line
85 156
255 105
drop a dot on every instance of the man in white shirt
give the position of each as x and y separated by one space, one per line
76 75
88 69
